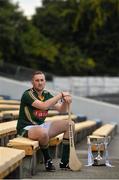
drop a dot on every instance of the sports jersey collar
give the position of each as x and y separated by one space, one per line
36 94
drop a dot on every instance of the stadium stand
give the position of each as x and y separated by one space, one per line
83 128
55 143
108 129
7 131
98 142
29 146
11 162
8 107
13 102
32 148
9 115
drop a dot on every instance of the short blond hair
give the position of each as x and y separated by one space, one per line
37 72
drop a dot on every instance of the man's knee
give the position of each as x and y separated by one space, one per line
44 139
44 136
37 134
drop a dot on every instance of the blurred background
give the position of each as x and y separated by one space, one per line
75 42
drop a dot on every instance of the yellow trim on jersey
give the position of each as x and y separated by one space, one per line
41 97
32 95
28 115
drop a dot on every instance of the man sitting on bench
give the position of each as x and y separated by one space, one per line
35 103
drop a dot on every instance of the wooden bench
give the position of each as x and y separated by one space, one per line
9 107
13 114
11 102
1 117
7 129
105 130
10 162
8 115
31 148
82 129
61 117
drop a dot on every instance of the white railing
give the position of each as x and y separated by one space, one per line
87 86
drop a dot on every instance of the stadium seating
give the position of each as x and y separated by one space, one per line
7 130
9 107
10 162
29 146
8 115
85 128
12 102
105 131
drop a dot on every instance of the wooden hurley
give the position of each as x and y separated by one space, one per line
74 163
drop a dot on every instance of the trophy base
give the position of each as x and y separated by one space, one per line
100 162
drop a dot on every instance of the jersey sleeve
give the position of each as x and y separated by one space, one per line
28 97
47 94
50 95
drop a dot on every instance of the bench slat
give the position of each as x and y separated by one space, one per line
8 107
82 125
104 130
24 141
7 127
56 140
8 158
4 101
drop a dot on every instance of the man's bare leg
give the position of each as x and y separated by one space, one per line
58 127
41 134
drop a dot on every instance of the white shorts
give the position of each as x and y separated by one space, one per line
45 125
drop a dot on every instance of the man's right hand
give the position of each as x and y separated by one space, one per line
67 97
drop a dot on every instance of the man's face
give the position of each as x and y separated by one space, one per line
39 81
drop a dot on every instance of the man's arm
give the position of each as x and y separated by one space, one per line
53 102
63 106
48 103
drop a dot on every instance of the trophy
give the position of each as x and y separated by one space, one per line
98 160
97 151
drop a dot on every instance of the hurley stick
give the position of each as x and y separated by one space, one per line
74 163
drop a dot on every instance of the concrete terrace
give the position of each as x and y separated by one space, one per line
93 172
93 110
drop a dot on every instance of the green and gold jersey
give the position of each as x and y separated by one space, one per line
29 115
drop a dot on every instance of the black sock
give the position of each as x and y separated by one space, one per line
45 151
65 151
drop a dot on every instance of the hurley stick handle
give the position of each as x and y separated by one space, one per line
69 111
74 163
